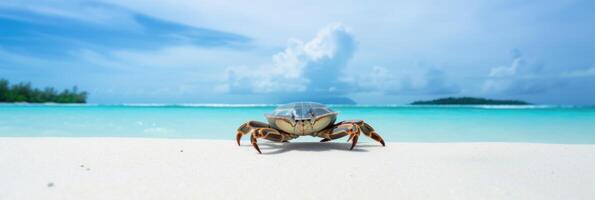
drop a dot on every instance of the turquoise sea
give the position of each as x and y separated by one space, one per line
396 123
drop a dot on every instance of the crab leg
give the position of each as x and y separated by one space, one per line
350 137
248 127
354 140
343 129
353 129
260 130
367 130
370 132
269 134
336 132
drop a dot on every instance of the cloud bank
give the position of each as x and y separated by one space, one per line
433 81
315 69
527 77
308 68
520 77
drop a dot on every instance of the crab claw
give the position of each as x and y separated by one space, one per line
239 137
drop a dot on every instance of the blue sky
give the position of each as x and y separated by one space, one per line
276 51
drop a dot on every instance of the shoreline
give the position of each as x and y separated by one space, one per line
231 105
155 168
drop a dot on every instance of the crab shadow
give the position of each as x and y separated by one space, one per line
278 148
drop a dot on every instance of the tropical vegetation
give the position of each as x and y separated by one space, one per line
469 101
24 92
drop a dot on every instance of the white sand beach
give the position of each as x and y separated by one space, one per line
136 168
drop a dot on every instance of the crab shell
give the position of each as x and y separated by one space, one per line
302 118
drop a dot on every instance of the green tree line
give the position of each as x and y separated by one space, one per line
469 101
24 92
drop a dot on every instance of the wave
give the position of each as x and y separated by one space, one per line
462 106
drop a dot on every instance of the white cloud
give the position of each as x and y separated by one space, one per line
380 79
580 73
524 77
377 79
504 71
316 67
178 57
311 66
520 77
97 13
11 57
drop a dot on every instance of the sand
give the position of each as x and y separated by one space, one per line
135 168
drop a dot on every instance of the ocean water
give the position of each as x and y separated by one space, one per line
396 123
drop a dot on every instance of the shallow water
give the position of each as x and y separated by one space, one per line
543 124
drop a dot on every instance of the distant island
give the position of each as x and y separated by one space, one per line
469 101
23 92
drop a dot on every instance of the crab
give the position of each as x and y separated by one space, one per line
293 120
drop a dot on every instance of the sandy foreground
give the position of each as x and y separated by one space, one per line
130 168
